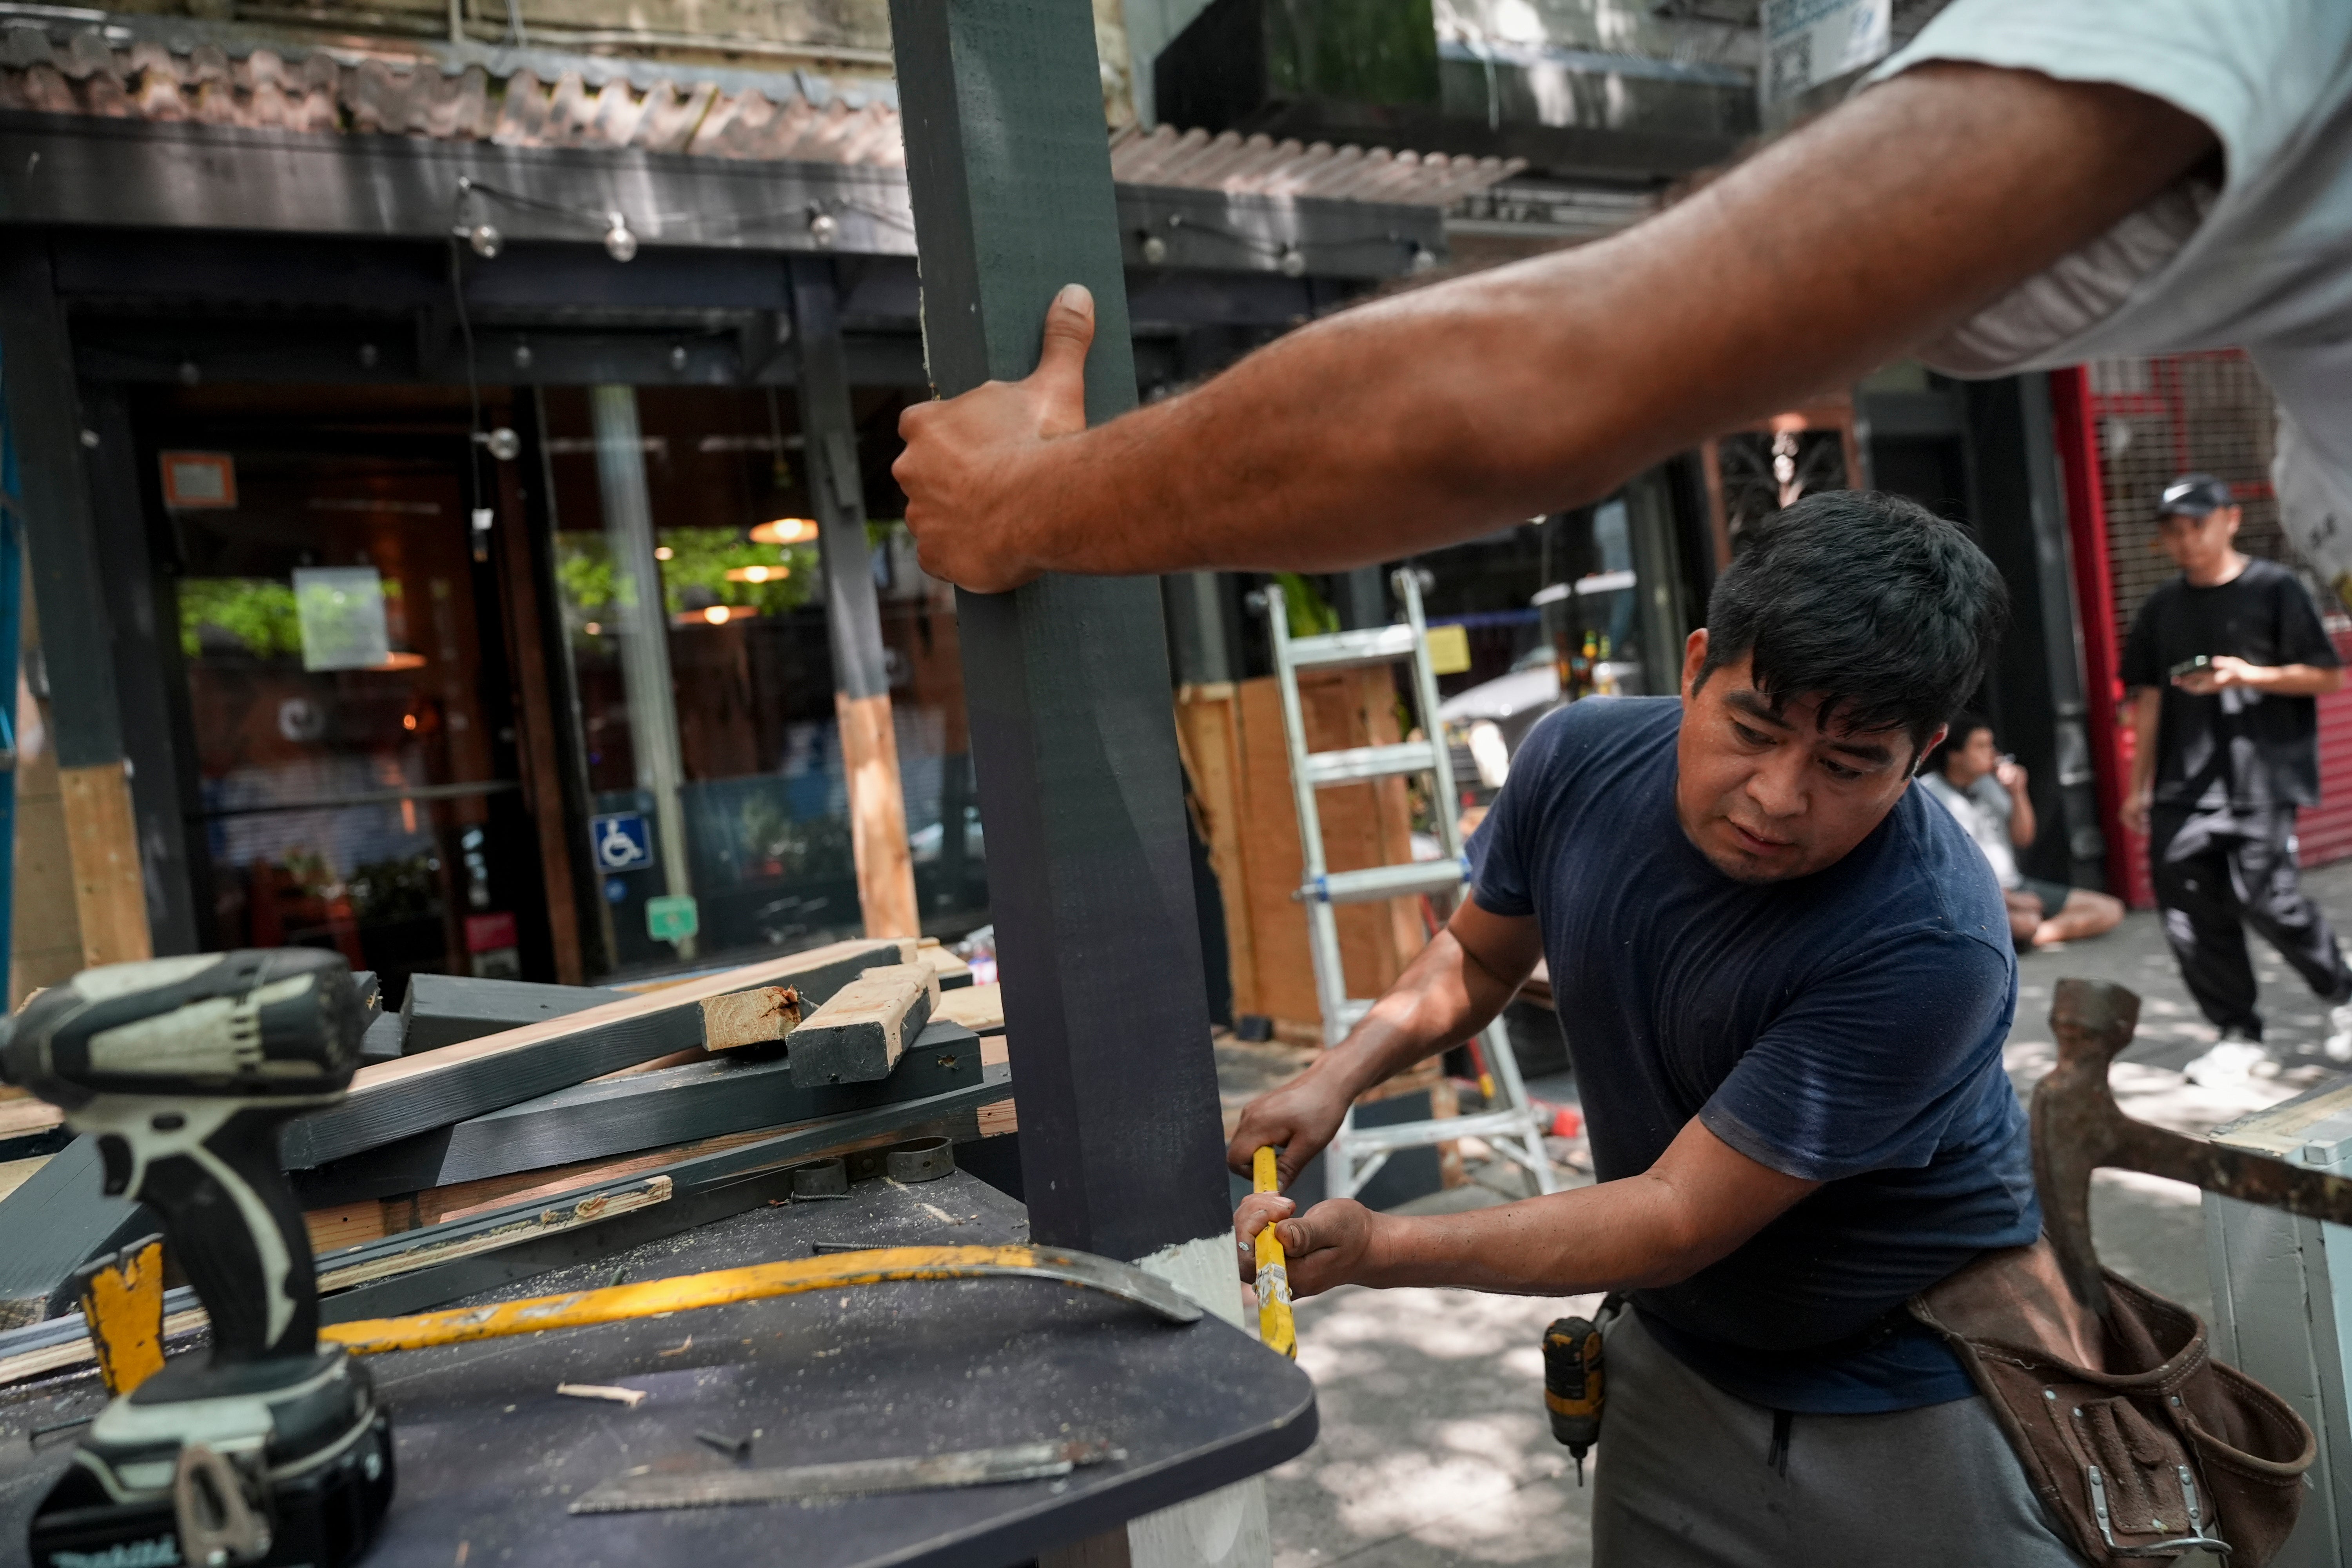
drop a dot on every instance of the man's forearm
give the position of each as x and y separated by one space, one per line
2295 679
1444 996
2146 703
1616 1236
1398 426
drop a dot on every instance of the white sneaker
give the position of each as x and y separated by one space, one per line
2339 1044
2233 1060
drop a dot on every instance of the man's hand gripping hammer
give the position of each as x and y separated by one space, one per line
1276 1326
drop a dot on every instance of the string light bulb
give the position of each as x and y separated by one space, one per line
758 574
823 230
1294 262
486 240
620 242
785 531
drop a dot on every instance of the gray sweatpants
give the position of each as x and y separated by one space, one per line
1682 1481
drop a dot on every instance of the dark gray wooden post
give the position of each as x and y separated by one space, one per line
1066 679
861 682
76 631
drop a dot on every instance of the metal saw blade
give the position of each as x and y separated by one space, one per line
714 1488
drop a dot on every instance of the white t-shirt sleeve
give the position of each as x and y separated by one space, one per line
2254 71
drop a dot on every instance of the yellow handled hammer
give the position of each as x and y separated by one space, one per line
1274 1324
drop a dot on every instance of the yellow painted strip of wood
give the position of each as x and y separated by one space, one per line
1275 1324
123 1305
719 1288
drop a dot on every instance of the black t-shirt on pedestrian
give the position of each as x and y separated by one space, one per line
2235 748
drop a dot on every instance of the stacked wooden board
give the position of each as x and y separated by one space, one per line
585 1121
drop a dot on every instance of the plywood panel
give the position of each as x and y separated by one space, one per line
109 895
1241 766
877 815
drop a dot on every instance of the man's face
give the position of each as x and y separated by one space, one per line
1766 797
2198 545
1965 764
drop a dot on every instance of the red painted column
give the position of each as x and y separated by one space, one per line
2095 603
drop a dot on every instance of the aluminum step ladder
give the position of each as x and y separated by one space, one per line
1356 1154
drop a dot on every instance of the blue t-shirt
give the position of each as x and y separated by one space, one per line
1843 1027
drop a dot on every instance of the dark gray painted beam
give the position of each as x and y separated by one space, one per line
642 1111
57 1220
449 1009
45 411
1067 679
144 604
852 611
420 1093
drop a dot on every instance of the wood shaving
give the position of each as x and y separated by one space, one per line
632 1397
679 1350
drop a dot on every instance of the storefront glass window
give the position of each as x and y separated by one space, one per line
692 609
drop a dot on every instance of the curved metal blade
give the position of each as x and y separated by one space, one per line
830 1271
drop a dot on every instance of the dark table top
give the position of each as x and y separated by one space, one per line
488 1454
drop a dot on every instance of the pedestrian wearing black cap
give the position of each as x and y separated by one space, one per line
2224 661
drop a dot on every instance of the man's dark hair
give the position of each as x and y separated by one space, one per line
1883 611
1964 727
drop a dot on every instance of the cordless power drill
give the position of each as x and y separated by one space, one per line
266 1451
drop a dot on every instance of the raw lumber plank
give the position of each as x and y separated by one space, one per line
643 1111
450 1009
706 1187
749 1017
433 1089
31 1127
858 1036
953 972
979 1008
60 1219
1065 679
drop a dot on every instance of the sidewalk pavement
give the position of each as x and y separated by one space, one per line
1435 1451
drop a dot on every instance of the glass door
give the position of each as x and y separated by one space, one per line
346 681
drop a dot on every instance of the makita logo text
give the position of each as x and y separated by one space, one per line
163 1552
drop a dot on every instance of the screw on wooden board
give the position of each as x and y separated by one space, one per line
734 1448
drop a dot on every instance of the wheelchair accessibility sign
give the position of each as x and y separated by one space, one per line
620 842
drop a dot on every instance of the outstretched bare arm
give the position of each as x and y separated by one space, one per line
1437 414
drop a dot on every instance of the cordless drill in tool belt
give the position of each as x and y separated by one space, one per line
1575 1387
266 1450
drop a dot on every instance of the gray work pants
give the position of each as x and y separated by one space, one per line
1683 1478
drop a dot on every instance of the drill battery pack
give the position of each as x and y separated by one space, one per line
161 1481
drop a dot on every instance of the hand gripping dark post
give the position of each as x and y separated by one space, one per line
2078 1127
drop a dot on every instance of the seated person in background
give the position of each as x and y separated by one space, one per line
1986 792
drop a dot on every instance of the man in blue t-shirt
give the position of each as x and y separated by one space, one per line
1785 977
